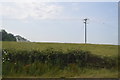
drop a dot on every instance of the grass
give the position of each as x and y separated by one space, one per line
103 50
88 73
40 70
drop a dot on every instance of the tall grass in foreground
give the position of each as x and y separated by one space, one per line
56 63
48 70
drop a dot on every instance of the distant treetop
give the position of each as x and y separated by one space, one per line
10 37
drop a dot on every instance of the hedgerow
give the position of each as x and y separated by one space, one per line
58 57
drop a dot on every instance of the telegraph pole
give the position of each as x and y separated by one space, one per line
85 22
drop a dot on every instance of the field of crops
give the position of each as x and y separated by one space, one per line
30 59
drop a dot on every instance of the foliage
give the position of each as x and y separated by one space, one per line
58 57
54 61
7 36
10 37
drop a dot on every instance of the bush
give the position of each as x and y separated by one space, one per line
58 57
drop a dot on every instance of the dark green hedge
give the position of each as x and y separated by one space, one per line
58 57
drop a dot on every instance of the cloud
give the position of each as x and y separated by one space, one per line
34 10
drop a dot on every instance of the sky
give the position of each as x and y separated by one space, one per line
61 21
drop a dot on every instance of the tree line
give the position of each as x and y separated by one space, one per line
7 36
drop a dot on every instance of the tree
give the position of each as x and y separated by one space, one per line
7 36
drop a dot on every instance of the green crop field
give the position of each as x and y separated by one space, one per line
58 60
